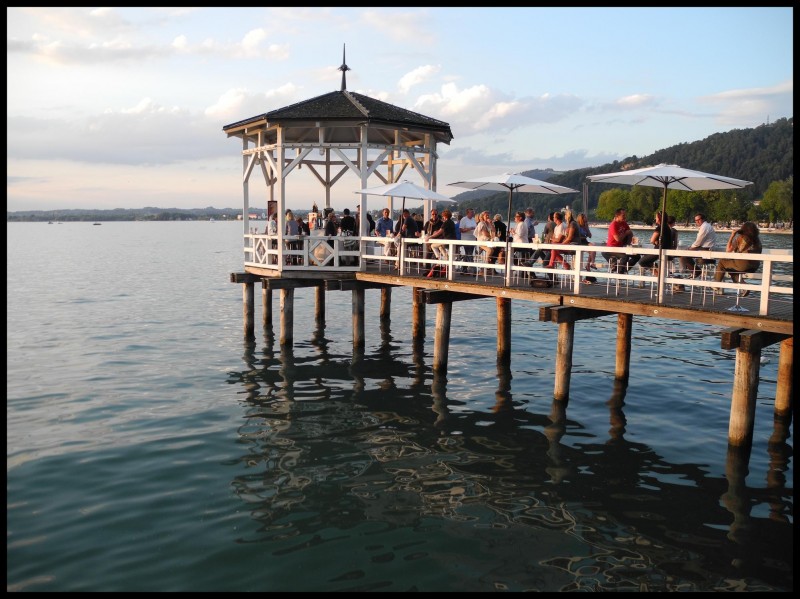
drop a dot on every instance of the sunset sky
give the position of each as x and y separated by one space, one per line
124 107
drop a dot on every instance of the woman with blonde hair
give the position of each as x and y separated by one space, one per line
484 231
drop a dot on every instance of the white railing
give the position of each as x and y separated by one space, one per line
773 281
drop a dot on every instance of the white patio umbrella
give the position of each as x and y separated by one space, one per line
405 189
669 176
511 182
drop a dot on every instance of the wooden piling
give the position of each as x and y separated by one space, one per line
624 332
248 307
566 337
358 317
287 316
783 392
386 303
418 314
745 390
266 304
441 343
319 305
503 329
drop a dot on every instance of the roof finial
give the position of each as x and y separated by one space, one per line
344 68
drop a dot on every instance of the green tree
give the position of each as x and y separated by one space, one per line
610 201
777 202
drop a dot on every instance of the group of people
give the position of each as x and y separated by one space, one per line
745 240
562 228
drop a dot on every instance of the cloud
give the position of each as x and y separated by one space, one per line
479 109
143 134
507 162
417 76
751 106
400 26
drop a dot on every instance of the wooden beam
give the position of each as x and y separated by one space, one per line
746 340
562 314
290 283
445 297
244 277
352 284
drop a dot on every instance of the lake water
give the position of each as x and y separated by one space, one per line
151 448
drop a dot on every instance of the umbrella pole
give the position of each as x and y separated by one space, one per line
662 265
508 231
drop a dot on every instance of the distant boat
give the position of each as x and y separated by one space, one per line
211 220
49 222
98 223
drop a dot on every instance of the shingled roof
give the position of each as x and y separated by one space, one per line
351 107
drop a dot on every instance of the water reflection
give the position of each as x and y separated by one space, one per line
336 445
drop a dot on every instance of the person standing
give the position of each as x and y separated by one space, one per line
370 224
348 223
446 231
706 240
434 224
467 227
384 225
501 230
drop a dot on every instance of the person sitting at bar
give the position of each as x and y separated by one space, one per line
744 241
706 240
619 235
648 260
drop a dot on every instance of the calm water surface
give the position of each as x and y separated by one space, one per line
151 448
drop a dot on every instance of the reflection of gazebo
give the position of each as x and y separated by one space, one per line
332 134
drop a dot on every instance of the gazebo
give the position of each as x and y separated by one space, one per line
330 135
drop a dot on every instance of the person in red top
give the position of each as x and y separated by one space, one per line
620 235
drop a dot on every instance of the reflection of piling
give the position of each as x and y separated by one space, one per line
502 397
736 499
779 454
287 316
266 305
554 432
615 414
439 394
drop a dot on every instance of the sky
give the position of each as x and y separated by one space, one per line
124 107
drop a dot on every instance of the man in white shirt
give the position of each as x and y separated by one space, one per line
467 226
706 240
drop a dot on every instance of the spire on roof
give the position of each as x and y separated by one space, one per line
344 68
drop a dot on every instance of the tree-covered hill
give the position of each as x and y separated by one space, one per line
763 155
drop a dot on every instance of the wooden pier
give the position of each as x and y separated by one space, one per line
746 332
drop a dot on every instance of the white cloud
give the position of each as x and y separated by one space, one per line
417 76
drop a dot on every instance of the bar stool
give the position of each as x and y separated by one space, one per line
707 269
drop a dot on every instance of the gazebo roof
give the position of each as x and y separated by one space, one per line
349 108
